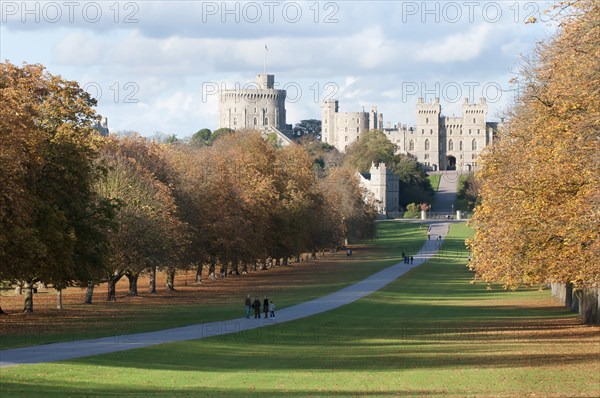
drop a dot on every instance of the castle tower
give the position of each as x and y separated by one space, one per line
426 138
474 132
260 108
379 185
328 110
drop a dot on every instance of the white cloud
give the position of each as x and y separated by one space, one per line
456 48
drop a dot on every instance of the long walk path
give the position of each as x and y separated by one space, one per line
83 348
446 193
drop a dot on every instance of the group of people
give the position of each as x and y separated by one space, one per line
407 259
268 307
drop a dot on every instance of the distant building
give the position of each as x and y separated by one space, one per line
102 127
382 188
439 142
260 107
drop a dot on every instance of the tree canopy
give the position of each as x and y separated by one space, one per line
539 217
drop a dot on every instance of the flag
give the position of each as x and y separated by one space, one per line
266 47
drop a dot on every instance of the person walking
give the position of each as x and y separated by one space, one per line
256 305
411 259
266 306
248 303
271 309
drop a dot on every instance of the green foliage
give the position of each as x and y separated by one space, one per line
218 134
201 138
415 186
308 127
373 146
413 210
434 180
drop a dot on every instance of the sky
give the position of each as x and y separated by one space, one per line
157 66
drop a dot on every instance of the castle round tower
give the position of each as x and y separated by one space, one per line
254 106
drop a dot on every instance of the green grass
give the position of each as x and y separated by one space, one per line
430 333
393 238
434 179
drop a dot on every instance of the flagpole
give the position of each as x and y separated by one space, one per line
265 64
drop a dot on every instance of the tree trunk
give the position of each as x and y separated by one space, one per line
28 307
89 293
152 289
298 258
575 304
223 270
198 279
112 287
588 304
253 264
568 295
245 267
171 279
211 268
285 260
59 304
263 266
313 254
133 280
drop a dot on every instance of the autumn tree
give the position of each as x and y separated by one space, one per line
149 233
539 217
53 225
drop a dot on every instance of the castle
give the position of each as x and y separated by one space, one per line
382 188
259 107
438 142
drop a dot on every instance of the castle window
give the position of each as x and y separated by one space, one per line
254 110
411 145
450 145
426 120
478 131
346 138
474 120
450 131
346 130
357 129
474 145
430 131
426 156
266 121
357 121
460 147
357 137
469 131
255 121
235 121
422 131
426 145
473 156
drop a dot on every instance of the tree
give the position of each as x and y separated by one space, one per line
149 232
538 221
59 234
308 127
219 133
415 187
201 138
373 146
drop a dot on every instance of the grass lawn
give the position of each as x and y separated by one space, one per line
461 202
430 333
434 179
212 301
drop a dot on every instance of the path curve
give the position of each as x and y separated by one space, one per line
83 348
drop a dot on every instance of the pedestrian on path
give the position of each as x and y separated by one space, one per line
411 259
248 303
272 310
266 306
256 305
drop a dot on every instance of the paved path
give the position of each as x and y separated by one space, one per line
446 194
83 348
